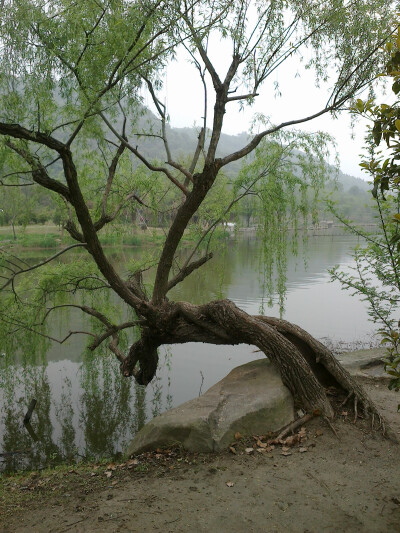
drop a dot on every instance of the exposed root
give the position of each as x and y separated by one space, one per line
331 426
307 367
355 409
347 399
324 364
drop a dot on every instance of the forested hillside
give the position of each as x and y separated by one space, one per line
34 205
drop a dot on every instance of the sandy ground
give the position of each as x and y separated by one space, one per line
349 483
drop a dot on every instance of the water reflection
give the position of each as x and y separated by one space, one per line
84 406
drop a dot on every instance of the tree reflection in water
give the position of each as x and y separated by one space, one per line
98 422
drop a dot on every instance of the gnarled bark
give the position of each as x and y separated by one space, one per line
306 366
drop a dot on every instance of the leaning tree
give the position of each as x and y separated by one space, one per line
72 120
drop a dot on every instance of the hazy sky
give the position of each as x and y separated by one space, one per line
183 95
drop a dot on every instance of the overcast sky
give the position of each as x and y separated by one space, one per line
183 95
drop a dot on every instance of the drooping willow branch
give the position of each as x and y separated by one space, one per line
38 265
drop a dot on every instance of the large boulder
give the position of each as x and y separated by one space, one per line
250 400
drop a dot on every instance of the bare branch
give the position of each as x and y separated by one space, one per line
101 338
161 110
39 173
187 270
258 138
143 159
88 34
20 324
111 175
206 60
242 97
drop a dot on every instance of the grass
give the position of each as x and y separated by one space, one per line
49 236
32 240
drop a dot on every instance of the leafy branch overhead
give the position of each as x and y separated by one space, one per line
73 82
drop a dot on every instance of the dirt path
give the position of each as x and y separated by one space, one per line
350 484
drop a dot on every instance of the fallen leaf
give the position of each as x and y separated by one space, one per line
286 453
249 450
111 466
274 441
262 444
302 433
302 450
93 474
238 435
114 483
232 450
108 473
229 484
132 462
319 432
292 440
285 449
344 413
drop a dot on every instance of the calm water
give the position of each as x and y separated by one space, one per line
86 409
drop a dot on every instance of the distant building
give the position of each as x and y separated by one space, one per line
229 226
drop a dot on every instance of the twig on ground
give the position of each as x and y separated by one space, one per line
331 426
294 425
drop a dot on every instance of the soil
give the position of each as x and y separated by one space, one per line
348 482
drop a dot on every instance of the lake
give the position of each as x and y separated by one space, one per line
86 409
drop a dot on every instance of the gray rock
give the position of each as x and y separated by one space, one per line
365 363
251 400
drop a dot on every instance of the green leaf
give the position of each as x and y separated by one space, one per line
360 105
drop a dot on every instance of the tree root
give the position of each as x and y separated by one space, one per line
307 367
326 366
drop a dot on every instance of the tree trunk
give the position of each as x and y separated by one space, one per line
13 229
306 366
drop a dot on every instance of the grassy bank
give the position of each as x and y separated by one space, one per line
52 237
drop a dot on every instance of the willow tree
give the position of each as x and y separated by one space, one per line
71 120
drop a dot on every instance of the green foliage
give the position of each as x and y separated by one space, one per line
29 240
285 175
75 73
377 271
39 293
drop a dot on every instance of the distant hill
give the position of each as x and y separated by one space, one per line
182 143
